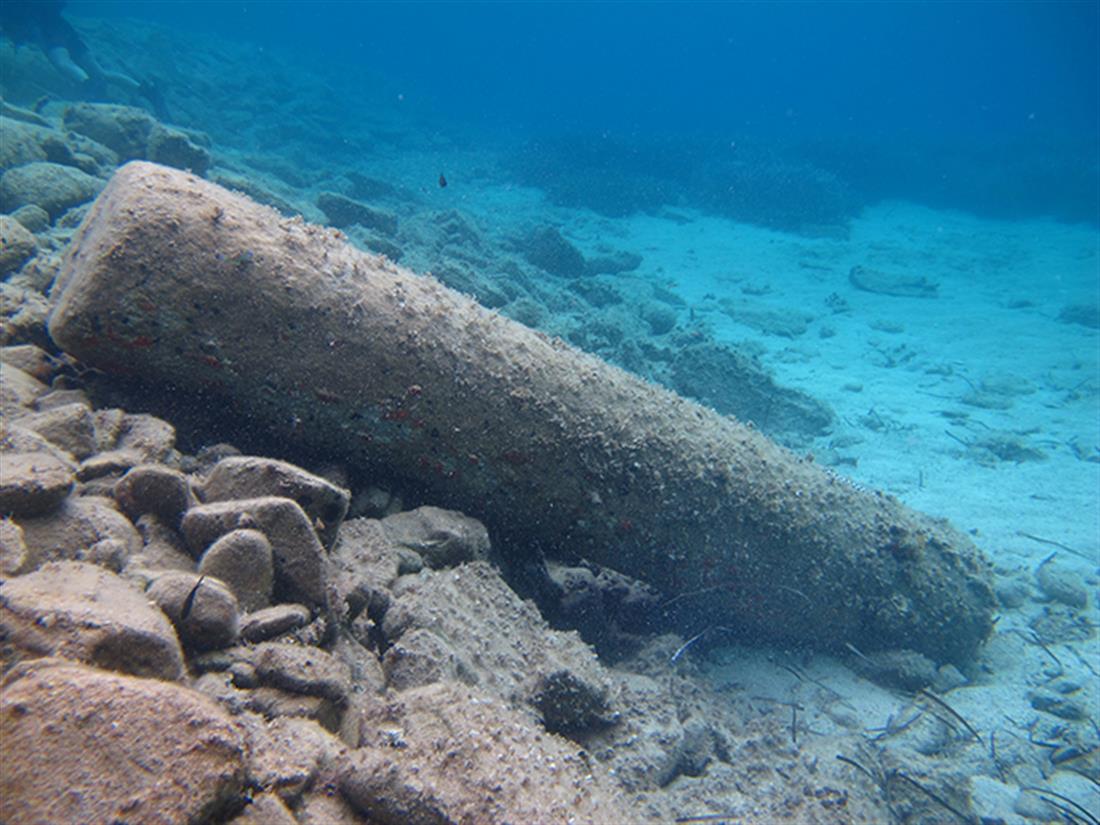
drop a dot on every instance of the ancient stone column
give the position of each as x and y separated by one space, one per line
173 279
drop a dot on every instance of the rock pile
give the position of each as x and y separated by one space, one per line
223 629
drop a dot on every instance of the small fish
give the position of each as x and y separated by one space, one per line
442 181
189 602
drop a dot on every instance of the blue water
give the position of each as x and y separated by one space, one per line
986 106
716 173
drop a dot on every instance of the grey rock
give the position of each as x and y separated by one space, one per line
150 437
1059 706
1059 584
203 610
298 555
361 568
420 657
549 251
262 625
51 186
62 398
33 360
889 283
107 464
16 439
290 754
494 638
325 503
32 484
265 809
153 488
173 147
71 427
83 612
23 142
343 212
33 217
569 705
614 263
301 669
123 129
242 559
71 531
443 538
162 549
18 390
16 244
904 669
269 702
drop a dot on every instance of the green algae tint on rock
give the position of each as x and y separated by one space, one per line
173 279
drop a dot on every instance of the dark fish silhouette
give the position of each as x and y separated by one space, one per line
189 602
442 181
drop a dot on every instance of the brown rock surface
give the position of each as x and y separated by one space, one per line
82 745
448 753
83 612
32 484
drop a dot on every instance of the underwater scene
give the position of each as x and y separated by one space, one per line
550 412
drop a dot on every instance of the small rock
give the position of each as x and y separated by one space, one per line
1087 315
904 669
18 390
242 559
51 186
570 705
300 669
1059 584
54 399
1058 706
419 658
273 621
443 538
343 212
265 809
251 477
152 488
82 745
388 791
150 437
1012 593
661 319
16 244
25 311
162 549
321 808
123 129
33 217
298 555
23 142
289 754
18 439
107 464
69 532
33 360
32 484
83 612
172 147
549 251
211 621
14 559
269 702
70 427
